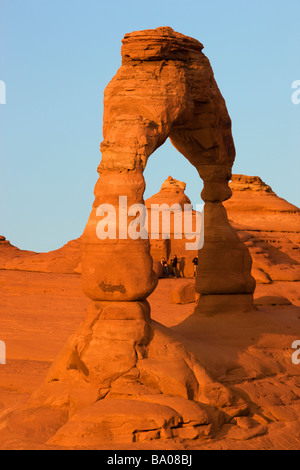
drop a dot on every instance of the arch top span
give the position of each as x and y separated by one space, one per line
165 88
162 43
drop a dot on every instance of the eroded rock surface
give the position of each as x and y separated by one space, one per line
164 88
269 226
121 369
64 260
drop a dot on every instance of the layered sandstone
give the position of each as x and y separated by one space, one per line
269 226
172 191
164 88
64 260
120 365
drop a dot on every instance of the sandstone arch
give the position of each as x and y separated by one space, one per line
122 377
164 88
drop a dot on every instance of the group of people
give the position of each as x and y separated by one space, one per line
170 270
173 267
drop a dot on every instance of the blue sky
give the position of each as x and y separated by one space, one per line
57 57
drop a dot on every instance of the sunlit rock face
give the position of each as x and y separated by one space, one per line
122 377
269 226
164 88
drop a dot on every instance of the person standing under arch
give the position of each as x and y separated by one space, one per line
174 262
195 263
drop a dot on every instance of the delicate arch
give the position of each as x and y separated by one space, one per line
164 88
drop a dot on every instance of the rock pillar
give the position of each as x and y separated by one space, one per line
224 279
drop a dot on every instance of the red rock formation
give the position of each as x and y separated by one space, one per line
65 260
171 192
164 88
269 226
121 376
119 358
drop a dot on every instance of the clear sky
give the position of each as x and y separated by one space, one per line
56 59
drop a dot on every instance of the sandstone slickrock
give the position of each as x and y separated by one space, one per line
272 300
269 226
65 260
184 294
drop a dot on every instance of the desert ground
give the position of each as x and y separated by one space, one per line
249 352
